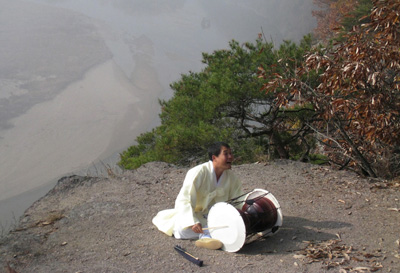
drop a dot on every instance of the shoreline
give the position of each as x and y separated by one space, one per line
91 120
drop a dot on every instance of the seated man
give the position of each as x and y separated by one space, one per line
204 185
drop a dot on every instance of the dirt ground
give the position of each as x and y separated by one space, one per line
334 221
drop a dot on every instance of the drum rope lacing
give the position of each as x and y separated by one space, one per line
234 201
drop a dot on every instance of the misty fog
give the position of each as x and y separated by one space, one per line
79 80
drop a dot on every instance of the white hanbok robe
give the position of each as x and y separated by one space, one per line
200 191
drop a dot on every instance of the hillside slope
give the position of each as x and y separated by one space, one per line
332 219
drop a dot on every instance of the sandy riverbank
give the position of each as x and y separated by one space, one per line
88 121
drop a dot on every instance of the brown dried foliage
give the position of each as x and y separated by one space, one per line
358 98
333 253
330 16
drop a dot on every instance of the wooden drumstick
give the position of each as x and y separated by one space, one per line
215 227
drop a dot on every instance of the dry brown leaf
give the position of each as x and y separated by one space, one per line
357 259
360 269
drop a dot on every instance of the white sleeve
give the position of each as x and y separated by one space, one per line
186 200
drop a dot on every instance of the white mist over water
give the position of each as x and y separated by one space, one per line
79 80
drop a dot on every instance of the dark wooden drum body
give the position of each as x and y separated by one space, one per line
259 212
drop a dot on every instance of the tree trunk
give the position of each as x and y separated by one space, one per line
280 148
363 163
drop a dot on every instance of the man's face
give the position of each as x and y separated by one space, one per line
224 159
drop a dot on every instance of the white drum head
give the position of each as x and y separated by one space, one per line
226 224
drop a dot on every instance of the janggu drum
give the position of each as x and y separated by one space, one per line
259 216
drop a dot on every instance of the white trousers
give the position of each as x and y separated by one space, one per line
187 233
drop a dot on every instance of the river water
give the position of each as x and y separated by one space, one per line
79 80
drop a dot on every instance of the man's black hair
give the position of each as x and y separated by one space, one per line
215 148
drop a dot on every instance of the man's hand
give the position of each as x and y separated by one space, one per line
197 228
